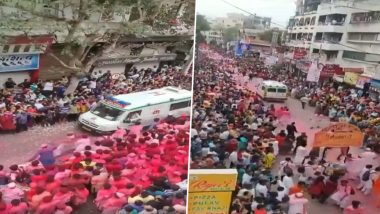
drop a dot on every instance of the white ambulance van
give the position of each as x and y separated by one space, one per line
272 90
125 110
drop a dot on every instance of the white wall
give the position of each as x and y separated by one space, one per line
18 77
116 68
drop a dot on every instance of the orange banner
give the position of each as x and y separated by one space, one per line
339 135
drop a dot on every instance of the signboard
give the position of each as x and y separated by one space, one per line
375 85
351 78
210 190
212 182
362 80
330 69
19 62
209 202
136 59
354 70
299 53
314 73
339 135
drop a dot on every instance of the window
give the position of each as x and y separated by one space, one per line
16 48
354 36
180 105
281 90
354 55
27 48
272 90
107 112
132 116
368 36
5 48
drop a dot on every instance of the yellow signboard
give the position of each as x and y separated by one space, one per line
214 181
351 78
209 202
339 135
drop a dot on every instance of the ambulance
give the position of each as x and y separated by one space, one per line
272 90
125 110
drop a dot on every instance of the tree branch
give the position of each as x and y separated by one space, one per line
63 63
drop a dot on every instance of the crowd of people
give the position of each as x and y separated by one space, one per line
46 103
233 128
133 171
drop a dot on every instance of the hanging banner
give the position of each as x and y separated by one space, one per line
329 70
351 78
362 80
339 135
299 53
314 73
210 191
19 62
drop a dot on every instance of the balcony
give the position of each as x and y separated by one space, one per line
330 28
323 45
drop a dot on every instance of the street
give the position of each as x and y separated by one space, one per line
306 121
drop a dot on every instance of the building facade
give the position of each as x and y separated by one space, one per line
213 35
344 32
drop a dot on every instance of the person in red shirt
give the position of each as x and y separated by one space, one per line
260 209
52 185
18 207
80 195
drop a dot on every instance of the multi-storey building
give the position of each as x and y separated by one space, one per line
344 32
213 35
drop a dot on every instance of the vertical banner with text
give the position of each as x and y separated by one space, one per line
210 191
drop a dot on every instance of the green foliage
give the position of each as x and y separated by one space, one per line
202 23
230 34
266 36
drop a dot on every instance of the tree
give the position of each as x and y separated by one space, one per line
202 23
79 25
266 35
230 34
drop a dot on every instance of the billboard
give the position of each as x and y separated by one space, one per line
19 62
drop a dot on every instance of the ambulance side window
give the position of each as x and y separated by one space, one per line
132 116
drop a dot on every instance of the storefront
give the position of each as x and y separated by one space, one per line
18 67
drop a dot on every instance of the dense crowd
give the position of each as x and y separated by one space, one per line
233 128
133 171
46 103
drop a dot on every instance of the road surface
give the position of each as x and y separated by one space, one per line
306 121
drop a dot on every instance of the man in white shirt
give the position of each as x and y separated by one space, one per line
261 189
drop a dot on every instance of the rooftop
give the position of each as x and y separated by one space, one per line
152 97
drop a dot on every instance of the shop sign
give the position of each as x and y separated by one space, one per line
351 78
362 80
339 135
212 182
329 70
354 70
19 62
299 53
209 202
210 191
375 85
